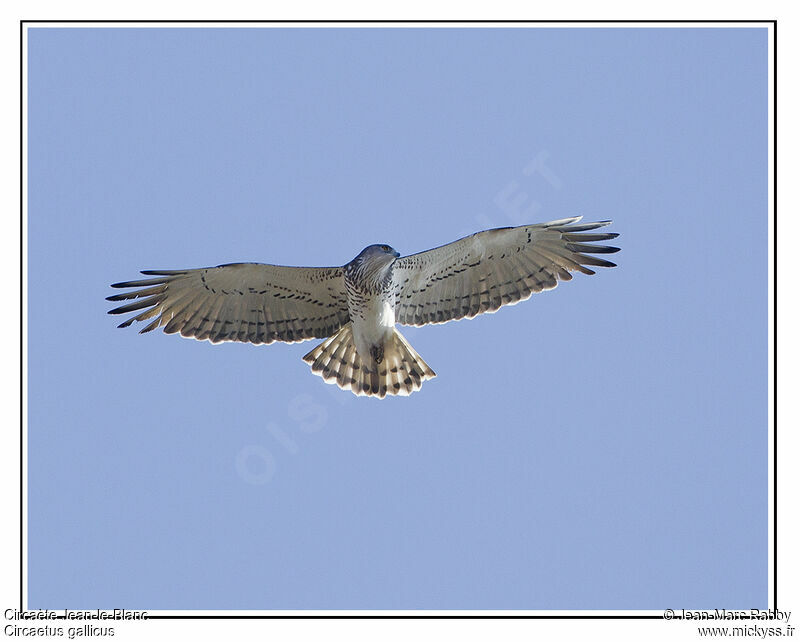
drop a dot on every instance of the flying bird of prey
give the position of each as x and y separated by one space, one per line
355 307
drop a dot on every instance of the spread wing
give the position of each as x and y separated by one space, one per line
249 302
487 270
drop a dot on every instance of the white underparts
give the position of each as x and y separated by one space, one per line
373 327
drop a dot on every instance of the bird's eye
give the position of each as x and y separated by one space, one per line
385 248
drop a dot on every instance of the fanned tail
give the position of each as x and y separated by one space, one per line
400 372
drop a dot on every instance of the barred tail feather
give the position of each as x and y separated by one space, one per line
401 371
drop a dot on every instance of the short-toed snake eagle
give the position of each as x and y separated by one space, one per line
355 307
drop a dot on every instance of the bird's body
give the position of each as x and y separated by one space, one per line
369 298
356 307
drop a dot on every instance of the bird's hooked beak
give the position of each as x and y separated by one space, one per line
396 254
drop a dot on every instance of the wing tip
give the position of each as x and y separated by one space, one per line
562 221
593 260
591 249
568 225
161 272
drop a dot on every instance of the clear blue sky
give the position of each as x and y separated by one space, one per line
600 446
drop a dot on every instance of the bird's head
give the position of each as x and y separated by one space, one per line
378 250
377 255
373 265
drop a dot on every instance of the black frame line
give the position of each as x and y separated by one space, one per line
774 53
21 300
395 21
